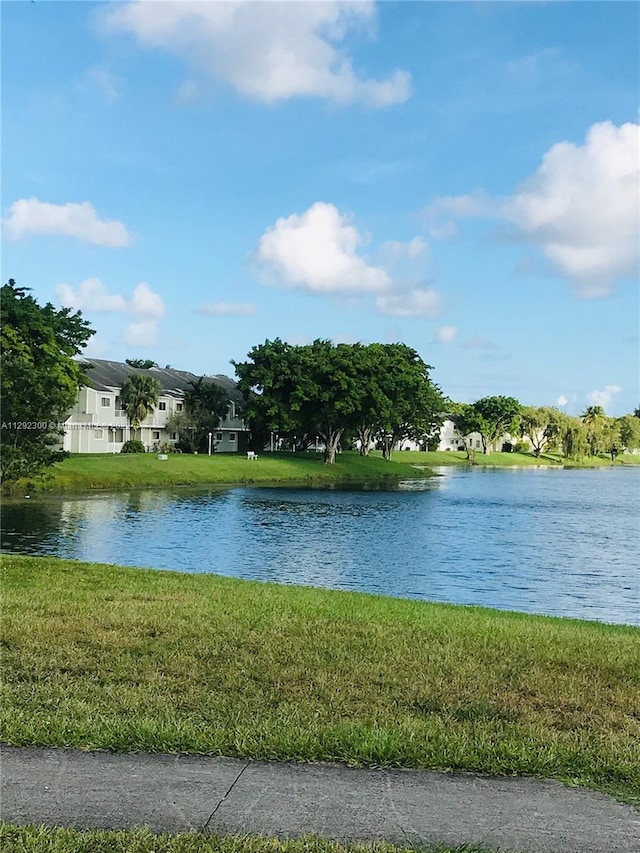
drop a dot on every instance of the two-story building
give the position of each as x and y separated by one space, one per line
98 424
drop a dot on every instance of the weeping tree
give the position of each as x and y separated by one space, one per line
139 396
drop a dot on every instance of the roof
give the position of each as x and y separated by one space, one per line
104 375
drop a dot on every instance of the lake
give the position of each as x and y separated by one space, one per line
559 542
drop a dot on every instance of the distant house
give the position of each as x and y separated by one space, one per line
98 424
451 439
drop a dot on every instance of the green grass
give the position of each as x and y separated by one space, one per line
510 460
40 839
84 472
103 657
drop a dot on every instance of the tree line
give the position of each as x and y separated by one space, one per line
372 395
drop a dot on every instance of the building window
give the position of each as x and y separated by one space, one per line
232 436
118 435
178 407
155 435
162 406
218 436
106 402
174 435
477 442
97 433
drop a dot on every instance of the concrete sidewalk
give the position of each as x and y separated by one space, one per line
65 787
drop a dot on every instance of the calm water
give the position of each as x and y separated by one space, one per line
543 541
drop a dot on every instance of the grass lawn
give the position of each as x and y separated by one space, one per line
510 460
103 657
81 473
31 839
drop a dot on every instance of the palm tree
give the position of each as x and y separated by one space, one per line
594 418
139 396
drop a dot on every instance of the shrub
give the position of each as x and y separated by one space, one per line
133 446
522 447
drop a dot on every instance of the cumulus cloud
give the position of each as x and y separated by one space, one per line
228 309
32 216
266 51
145 305
604 397
446 334
91 295
419 302
318 251
580 208
562 401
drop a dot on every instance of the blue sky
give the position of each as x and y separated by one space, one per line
463 177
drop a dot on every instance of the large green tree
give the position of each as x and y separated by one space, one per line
40 378
401 400
497 415
379 391
542 425
139 396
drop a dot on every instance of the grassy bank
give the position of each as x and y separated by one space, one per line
30 839
127 659
510 460
123 471
81 473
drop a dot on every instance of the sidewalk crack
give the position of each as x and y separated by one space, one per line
231 787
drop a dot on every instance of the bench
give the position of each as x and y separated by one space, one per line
251 456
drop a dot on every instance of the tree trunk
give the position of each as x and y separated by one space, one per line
365 435
331 438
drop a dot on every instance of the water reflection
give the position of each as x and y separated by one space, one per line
558 542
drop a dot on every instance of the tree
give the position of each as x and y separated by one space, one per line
142 363
139 395
594 419
629 431
498 415
467 420
378 391
574 438
542 426
404 403
40 379
205 404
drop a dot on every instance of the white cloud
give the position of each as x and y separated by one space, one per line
603 398
580 208
91 295
418 302
446 334
146 303
441 215
228 309
562 401
32 216
146 306
394 250
141 333
318 251
266 51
